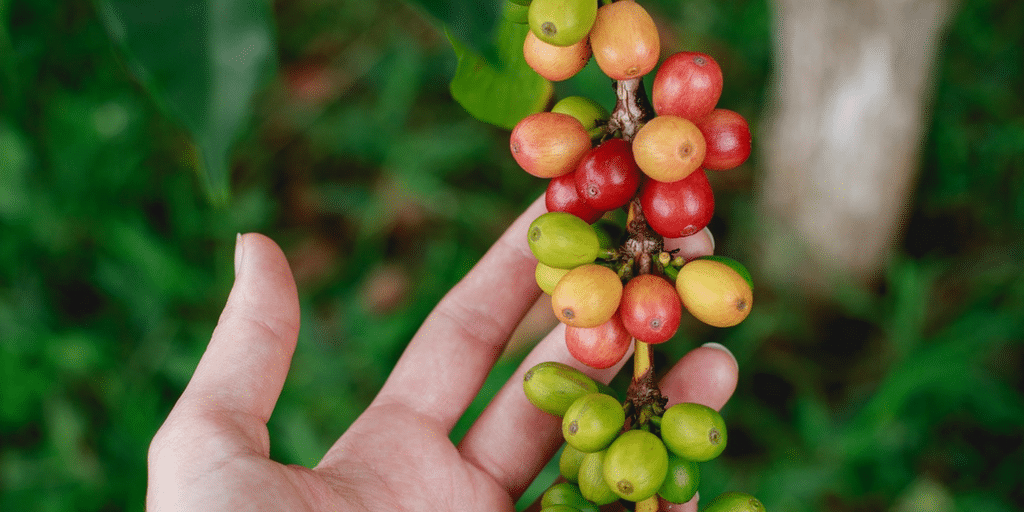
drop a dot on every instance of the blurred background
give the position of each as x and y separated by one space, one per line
894 384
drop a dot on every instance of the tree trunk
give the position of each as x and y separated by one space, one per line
841 146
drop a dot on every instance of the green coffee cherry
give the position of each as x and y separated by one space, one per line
567 494
552 387
559 508
525 3
681 481
548 277
562 22
563 240
734 502
592 422
569 463
635 465
693 431
592 483
591 114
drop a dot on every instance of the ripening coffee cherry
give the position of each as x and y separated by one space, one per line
681 481
587 296
701 243
687 85
635 465
727 137
625 40
547 144
694 431
592 422
562 22
591 480
714 293
552 386
607 177
734 502
591 114
562 240
733 264
650 308
669 148
680 208
602 346
555 63
561 196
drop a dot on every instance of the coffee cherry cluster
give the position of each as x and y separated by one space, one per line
606 459
611 285
615 286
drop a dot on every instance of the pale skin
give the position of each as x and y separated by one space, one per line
212 452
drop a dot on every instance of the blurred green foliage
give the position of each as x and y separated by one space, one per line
383 192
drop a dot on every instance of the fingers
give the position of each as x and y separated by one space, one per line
240 376
706 375
512 440
449 358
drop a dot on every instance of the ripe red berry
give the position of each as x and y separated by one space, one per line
650 308
688 85
679 208
607 177
727 137
561 196
601 346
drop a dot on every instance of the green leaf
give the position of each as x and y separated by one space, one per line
499 93
471 21
202 61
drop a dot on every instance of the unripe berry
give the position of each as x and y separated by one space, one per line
555 63
669 148
562 22
547 144
625 40
590 113
688 85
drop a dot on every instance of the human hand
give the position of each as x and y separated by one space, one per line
212 452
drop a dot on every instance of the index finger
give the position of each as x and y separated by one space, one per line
449 358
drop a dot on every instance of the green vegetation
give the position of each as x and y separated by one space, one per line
383 192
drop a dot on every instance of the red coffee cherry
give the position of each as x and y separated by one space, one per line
688 85
601 346
680 208
607 176
650 308
561 196
727 137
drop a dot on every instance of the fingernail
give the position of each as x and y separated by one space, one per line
239 250
721 347
710 237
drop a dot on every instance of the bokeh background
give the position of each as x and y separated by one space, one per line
901 393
